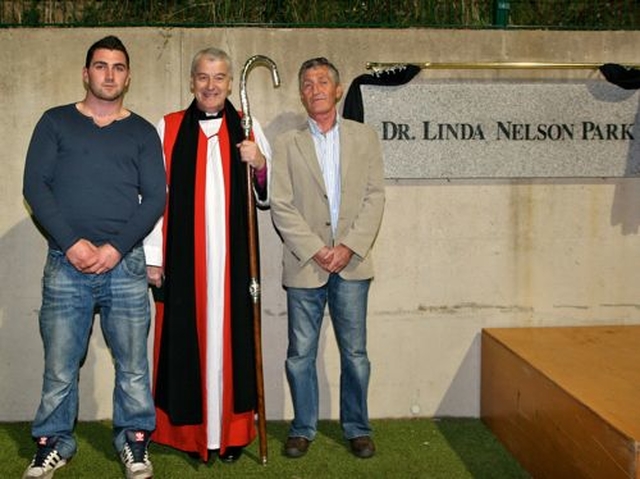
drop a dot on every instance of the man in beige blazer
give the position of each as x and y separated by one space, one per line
327 200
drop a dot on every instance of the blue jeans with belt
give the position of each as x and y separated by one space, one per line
347 302
69 300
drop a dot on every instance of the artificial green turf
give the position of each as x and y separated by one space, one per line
407 448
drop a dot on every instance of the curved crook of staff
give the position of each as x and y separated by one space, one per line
254 266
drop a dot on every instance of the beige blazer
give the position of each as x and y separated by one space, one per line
300 206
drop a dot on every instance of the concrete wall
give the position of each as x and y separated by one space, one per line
452 257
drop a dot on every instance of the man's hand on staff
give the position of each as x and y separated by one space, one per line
250 153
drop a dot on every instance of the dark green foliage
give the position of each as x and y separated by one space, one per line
550 14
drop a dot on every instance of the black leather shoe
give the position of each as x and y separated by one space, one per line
231 454
362 447
296 447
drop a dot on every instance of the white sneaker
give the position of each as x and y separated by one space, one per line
46 460
135 456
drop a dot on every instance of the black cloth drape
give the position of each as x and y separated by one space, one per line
624 77
353 108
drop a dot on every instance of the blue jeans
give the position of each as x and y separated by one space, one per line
69 299
347 302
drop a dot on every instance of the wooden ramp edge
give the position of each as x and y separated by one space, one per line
565 401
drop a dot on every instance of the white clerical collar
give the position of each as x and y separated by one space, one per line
212 116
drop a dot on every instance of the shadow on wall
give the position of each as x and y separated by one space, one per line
22 256
22 253
282 123
463 385
462 393
274 319
625 208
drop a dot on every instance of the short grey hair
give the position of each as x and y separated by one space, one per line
212 54
318 62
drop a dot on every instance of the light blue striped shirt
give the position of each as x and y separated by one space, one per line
328 153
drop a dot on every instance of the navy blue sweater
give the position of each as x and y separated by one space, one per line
106 185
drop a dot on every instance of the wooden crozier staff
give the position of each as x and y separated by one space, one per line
254 266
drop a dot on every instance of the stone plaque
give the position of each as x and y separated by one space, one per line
481 129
